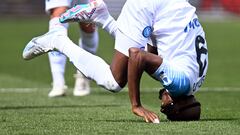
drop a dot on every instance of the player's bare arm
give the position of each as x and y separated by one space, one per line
140 61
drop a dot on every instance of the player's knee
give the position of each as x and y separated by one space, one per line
112 86
87 27
109 82
56 12
115 90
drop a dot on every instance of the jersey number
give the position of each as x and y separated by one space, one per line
202 62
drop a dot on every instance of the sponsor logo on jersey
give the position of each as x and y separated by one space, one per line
192 25
199 83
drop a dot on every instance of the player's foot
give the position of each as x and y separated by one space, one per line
40 45
82 85
95 11
57 91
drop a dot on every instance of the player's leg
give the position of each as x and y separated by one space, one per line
93 66
57 60
90 65
112 77
96 12
89 38
89 42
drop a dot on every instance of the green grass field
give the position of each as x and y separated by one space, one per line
25 108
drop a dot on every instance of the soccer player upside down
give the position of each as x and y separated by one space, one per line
162 38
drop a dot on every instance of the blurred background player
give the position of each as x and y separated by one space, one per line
88 41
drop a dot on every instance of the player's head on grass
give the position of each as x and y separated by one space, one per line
183 108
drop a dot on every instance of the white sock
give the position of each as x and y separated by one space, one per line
54 24
57 60
57 64
106 21
110 25
91 66
89 41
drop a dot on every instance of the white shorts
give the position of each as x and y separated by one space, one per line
123 43
50 4
133 22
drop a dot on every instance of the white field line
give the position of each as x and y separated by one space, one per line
220 89
18 90
204 89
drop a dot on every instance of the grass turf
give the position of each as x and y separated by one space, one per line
30 111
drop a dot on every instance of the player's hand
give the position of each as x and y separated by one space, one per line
146 114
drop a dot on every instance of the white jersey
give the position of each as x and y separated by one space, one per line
173 27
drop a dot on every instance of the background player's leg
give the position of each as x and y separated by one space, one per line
57 60
89 37
89 42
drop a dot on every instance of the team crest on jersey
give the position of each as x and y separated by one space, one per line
147 31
